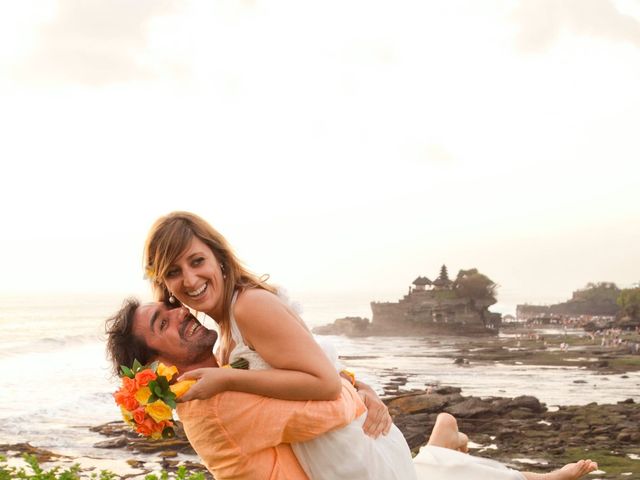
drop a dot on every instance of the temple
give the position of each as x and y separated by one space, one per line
441 306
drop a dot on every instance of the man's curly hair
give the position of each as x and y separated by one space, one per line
123 347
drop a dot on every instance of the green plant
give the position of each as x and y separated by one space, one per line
73 473
38 473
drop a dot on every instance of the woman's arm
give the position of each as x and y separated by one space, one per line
301 370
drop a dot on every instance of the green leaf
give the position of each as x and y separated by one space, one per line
152 398
157 390
137 366
170 400
126 371
162 382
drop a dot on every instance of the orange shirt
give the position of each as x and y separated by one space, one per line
240 436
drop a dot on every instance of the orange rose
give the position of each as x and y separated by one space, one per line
144 377
130 403
129 385
159 428
146 427
119 397
126 400
138 415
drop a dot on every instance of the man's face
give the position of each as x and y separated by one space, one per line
176 334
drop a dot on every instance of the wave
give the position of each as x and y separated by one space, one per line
12 346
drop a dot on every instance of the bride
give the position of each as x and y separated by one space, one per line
189 262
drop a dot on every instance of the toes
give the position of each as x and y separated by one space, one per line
463 442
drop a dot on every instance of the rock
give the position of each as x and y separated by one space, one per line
472 407
118 442
503 406
556 450
507 433
41 454
398 380
426 402
624 437
521 413
447 390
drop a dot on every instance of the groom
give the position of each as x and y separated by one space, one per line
237 435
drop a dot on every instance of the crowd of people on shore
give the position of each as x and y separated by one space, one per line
613 338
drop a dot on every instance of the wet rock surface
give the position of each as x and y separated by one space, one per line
523 428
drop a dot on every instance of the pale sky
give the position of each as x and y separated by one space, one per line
340 146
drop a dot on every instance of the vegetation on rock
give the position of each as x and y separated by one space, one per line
629 302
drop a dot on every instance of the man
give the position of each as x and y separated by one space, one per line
237 435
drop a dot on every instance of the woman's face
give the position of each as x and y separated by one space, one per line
195 278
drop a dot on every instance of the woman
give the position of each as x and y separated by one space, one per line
189 262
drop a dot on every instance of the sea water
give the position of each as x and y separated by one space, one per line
56 380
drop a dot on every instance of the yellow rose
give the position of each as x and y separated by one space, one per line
182 387
142 395
158 410
165 371
127 415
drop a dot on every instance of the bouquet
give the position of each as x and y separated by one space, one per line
147 398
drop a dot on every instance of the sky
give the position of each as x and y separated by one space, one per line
341 147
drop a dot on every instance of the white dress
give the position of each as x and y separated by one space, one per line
348 453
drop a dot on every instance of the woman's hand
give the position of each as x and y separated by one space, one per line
378 419
209 382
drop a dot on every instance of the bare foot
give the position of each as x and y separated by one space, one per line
445 434
571 471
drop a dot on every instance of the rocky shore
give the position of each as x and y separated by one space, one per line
524 434
521 432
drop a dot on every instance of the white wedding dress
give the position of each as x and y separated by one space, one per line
348 453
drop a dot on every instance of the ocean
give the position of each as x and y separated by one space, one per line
56 381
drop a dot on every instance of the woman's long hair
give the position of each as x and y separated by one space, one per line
170 236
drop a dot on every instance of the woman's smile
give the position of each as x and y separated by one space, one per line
199 291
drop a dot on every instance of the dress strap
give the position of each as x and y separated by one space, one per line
235 331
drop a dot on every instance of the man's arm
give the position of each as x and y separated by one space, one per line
255 422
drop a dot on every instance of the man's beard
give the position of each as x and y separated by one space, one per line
202 348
